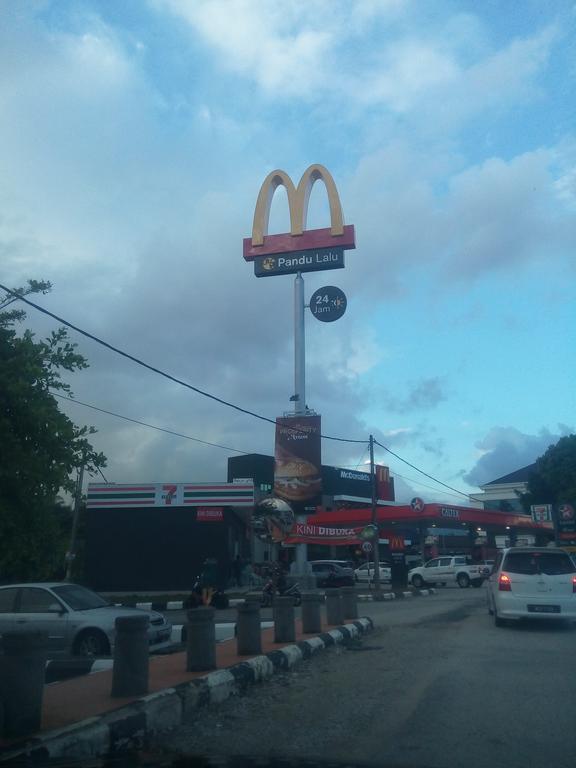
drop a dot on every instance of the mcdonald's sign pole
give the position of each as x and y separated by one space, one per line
295 252
299 347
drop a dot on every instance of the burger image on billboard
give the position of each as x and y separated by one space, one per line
296 479
297 466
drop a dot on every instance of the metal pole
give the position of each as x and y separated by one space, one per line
300 389
376 548
299 347
75 514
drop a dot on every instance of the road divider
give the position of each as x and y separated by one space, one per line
121 729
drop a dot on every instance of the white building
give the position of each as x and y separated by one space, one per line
504 492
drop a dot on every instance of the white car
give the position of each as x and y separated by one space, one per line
532 583
365 574
78 621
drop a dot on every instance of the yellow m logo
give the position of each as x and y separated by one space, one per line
298 198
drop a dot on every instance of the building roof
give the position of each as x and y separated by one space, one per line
518 476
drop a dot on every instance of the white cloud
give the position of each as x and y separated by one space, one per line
505 449
138 218
279 44
441 74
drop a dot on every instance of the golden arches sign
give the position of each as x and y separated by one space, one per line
338 236
298 199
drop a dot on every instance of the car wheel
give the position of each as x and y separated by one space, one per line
498 622
417 581
91 643
463 580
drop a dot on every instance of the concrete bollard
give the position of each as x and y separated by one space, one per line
200 640
284 621
248 633
334 607
131 656
349 603
22 671
311 618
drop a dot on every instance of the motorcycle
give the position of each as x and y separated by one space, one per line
271 589
199 596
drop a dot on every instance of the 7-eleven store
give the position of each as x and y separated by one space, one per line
430 528
156 536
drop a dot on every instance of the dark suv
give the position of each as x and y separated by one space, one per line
330 574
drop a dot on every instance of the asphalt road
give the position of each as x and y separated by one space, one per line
436 685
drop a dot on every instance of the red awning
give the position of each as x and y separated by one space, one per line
433 513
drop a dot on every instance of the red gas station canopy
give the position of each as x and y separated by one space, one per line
430 513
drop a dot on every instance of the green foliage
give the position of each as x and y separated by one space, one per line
40 448
553 480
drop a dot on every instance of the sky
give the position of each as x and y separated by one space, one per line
134 137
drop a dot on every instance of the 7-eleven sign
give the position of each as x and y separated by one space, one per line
541 513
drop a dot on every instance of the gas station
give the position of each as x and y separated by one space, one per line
427 530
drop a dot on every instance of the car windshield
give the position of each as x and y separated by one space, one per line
532 563
79 598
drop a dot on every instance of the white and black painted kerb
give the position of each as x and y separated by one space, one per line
398 595
129 727
178 605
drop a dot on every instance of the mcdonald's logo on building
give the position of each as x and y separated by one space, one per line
338 235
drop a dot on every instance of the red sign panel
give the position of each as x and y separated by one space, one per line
321 534
396 543
210 514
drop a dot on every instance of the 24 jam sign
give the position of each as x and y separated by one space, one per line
328 304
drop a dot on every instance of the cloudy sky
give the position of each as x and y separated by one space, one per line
134 137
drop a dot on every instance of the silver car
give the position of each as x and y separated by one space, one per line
78 621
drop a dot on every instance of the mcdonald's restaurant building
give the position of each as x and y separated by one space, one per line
411 529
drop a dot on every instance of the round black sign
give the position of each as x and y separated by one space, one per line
328 303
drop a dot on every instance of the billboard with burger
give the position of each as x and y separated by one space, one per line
297 462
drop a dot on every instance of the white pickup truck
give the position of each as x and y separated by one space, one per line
455 569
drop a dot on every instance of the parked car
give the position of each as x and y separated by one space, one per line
448 570
532 583
79 622
341 563
330 574
365 574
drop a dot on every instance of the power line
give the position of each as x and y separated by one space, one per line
424 485
361 457
430 477
160 372
214 445
144 424
137 360
203 393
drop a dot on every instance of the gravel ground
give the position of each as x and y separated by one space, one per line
435 685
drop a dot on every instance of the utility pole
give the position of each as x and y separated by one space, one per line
71 554
376 546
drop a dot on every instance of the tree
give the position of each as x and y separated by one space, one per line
40 448
553 480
